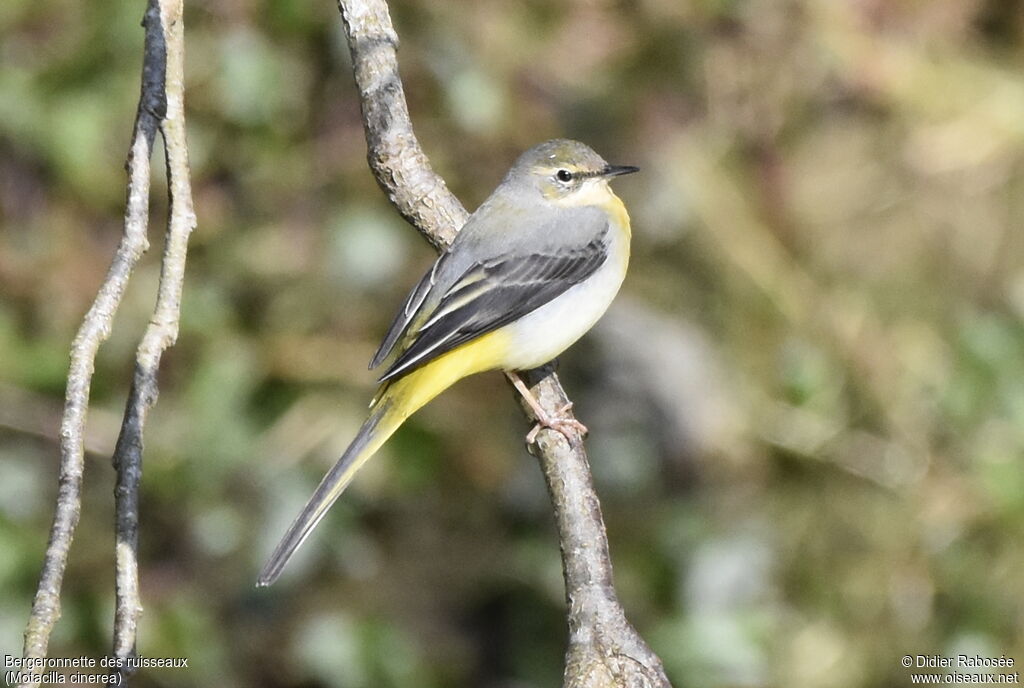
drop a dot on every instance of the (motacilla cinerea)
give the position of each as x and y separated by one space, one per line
528 274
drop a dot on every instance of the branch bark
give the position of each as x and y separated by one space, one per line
160 108
162 331
604 649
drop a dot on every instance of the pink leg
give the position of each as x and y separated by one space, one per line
570 427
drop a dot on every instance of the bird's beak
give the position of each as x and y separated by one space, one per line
616 170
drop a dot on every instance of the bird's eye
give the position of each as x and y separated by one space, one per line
563 175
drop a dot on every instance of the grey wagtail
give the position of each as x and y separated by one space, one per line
528 274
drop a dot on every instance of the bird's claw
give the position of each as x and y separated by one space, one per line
569 427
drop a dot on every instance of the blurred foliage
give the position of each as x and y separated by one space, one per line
807 407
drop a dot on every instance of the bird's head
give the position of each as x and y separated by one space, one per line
565 171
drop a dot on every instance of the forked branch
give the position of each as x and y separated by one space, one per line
160 109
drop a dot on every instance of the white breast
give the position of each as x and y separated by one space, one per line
543 334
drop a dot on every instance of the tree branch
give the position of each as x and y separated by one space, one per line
398 162
604 649
160 108
162 330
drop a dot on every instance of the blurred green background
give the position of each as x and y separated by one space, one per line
806 407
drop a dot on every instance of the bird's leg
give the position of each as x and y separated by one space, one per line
567 426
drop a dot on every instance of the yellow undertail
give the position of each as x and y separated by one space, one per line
395 402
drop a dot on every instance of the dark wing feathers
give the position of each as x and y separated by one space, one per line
490 294
402 319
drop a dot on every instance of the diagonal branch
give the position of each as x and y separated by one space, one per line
398 162
604 649
94 330
160 108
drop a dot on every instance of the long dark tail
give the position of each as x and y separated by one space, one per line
397 401
374 432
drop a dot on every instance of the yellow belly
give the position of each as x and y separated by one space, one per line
412 391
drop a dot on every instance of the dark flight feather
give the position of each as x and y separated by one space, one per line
402 319
489 295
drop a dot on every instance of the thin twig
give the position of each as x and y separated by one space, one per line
160 107
161 333
604 649
94 330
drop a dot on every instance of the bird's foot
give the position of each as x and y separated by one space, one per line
568 426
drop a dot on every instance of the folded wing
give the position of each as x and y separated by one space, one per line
488 295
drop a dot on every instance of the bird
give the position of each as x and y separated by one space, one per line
527 275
